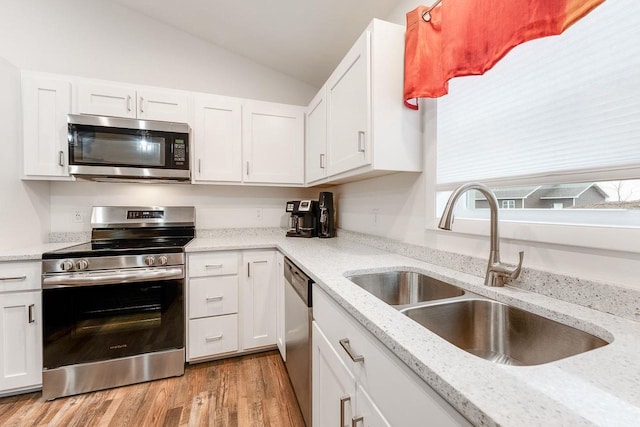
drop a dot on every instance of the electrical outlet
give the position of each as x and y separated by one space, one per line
259 214
78 216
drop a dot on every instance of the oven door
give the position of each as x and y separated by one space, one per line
89 323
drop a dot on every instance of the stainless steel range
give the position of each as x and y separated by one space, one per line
113 308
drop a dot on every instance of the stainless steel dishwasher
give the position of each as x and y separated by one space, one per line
298 317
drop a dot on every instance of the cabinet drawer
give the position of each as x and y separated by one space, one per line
213 264
19 276
213 296
211 336
403 397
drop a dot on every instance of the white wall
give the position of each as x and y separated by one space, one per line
402 206
101 39
216 206
24 206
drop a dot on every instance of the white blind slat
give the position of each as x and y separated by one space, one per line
553 105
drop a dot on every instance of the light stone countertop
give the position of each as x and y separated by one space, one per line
600 387
32 253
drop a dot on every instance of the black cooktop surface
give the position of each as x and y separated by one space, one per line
120 247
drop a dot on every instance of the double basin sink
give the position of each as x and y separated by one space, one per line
483 327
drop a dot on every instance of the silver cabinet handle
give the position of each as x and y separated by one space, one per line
255 262
199 166
13 279
141 104
128 102
212 339
213 266
347 347
216 298
356 420
361 141
247 168
61 158
32 316
321 161
343 400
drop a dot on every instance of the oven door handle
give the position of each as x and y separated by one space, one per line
112 277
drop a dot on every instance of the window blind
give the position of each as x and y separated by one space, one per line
551 110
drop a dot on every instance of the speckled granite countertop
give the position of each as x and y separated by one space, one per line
31 253
600 387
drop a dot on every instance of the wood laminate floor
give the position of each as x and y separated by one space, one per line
251 390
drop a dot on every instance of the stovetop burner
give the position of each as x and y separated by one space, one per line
127 236
120 247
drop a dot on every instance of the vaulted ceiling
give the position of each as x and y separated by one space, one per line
302 38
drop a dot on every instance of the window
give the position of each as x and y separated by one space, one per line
508 204
554 117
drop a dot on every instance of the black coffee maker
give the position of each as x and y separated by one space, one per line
326 215
303 218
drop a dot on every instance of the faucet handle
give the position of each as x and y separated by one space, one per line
516 273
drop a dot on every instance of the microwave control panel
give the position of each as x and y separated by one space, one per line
179 150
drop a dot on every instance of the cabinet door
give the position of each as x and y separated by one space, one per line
348 100
163 105
316 138
368 414
280 308
273 143
20 340
258 300
333 384
106 100
217 134
45 105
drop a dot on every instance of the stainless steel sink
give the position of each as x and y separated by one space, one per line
405 287
501 333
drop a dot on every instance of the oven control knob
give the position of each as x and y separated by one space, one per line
66 265
82 264
149 260
162 259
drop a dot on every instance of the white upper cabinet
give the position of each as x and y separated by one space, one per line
114 100
369 131
46 101
316 138
217 139
273 143
348 100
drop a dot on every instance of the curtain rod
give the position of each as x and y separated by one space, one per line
427 13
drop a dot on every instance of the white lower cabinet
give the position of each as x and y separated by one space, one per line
231 303
20 327
258 299
358 382
213 335
280 325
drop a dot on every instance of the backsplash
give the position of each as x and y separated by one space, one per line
605 297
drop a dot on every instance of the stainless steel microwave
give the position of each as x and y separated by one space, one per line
108 148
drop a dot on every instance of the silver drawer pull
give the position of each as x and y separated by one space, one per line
212 339
216 298
32 316
213 266
356 420
347 347
13 279
343 400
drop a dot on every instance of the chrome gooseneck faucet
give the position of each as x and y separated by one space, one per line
498 274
